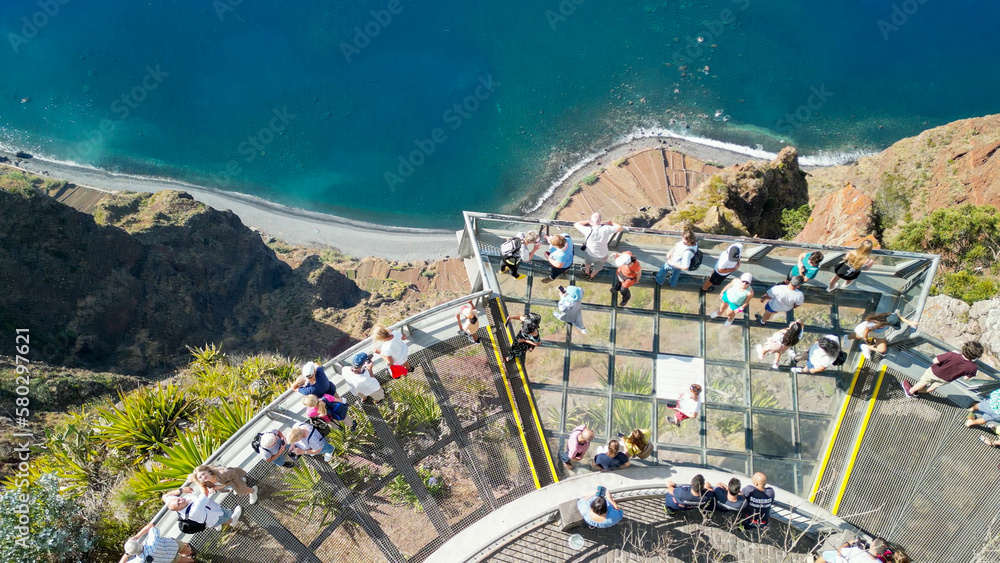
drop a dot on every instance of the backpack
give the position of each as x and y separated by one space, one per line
256 442
841 358
696 259
320 426
188 526
339 411
510 248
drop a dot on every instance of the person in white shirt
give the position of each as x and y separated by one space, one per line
688 405
306 440
468 322
728 262
597 235
820 355
155 548
678 259
199 507
391 346
358 377
780 299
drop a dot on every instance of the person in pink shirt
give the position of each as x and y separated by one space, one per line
576 445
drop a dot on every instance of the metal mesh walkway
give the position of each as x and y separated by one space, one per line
441 451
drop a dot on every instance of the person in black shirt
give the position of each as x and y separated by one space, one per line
686 497
729 498
757 511
612 460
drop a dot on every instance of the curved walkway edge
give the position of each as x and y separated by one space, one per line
537 505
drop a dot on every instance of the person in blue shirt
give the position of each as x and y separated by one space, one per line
807 265
596 512
687 497
314 381
729 497
559 255
760 497
613 459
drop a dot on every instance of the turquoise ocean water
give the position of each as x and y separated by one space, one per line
408 111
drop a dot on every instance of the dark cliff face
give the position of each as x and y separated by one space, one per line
159 273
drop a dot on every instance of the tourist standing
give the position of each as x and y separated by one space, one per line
516 250
215 478
680 258
734 298
807 266
687 497
576 445
274 448
392 347
570 307
628 273
359 379
780 342
559 255
613 459
780 299
314 381
728 262
820 356
329 409
197 511
849 269
597 235
468 322
527 338
155 548
760 497
306 440
688 405
946 368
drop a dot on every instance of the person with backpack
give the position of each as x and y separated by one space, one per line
683 257
196 511
272 447
628 273
329 409
306 440
516 250
824 353
851 266
597 235
527 338
559 255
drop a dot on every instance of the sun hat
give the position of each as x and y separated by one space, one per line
466 310
309 369
268 440
360 359
623 259
746 277
133 547
893 320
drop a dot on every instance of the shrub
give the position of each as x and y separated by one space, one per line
56 529
967 286
967 237
794 220
590 179
400 492
190 450
145 421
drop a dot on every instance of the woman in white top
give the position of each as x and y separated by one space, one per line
780 342
306 440
391 346
358 377
688 405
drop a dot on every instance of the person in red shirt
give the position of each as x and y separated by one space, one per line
946 368
629 271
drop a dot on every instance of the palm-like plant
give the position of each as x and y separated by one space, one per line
229 416
145 420
190 450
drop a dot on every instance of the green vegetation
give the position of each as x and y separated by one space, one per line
794 220
146 420
590 179
400 492
968 240
891 203
18 183
621 162
56 531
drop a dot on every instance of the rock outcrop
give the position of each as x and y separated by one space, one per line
154 273
841 218
746 199
955 322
